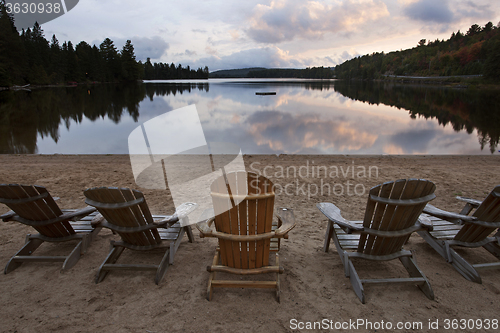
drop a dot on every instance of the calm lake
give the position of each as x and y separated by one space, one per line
304 117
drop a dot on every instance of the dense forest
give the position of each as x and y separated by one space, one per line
28 58
477 52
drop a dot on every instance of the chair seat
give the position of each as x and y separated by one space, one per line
171 233
442 229
348 241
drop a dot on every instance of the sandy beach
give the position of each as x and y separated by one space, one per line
37 297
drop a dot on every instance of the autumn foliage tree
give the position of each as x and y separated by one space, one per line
472 53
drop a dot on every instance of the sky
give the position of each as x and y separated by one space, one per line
224 34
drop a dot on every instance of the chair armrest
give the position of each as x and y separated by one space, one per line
287 218
76 215
180 212
7 216
451 217
332 212
425 222
66 216
205 229
97 220
473 202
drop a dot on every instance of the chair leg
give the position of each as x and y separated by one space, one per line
174 245
452 257
212 276
189 232
411 266
162 267
74 256
112 257
86 239
28 248
277 280
356 283
464 268
91 236
328 236
438 246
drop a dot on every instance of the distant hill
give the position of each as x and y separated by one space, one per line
233 73
259 72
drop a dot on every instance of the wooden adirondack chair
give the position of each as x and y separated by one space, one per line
33 205
391 216
468 231
243 204
125 212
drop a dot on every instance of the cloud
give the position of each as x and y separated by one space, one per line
187 53
413 141
346 56
271 56
285 20
307 133
469 9
153 47
429 11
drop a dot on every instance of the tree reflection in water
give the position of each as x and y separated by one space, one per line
27 115
464 109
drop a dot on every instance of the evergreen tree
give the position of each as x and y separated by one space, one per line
149 70
130 71
55 70
12 56
111 60
87 61
72 71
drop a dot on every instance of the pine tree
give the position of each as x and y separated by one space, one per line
130 70
149 70
12 53
111 59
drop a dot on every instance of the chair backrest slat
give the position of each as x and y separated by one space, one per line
222 206
408 199
374 215
129 217
392 218
241 187
41 208
233 225
488 211
252 218
413 190
50 209
238 213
